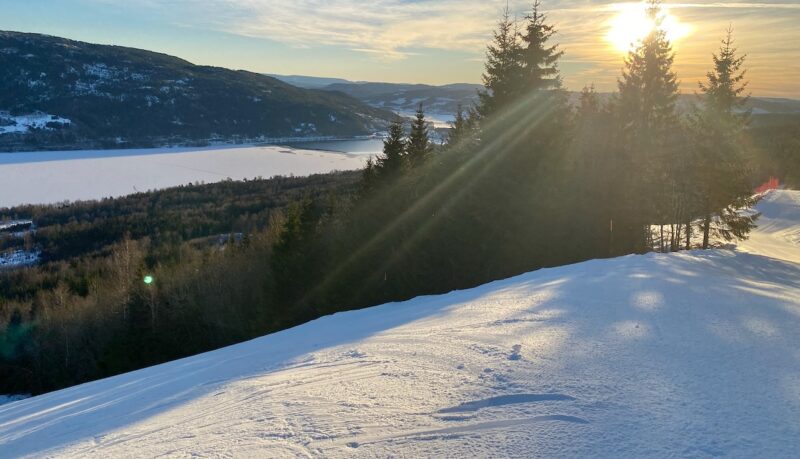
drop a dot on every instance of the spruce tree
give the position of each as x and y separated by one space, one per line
539 60
718 129
588 102
393 160
648 124
503 68
648 88
458 128
418 147
724 90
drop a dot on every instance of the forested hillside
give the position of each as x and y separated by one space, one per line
111 96
85 312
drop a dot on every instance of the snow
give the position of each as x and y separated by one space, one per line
778 234
17 258
11 398
51 177
21 124
692 354
7 225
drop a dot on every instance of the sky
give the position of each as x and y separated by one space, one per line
419 41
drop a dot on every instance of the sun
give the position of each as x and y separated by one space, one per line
631 24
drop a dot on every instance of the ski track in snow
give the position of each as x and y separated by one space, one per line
694 354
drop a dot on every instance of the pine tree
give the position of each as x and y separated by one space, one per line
418 148
539 61
717 139
503 68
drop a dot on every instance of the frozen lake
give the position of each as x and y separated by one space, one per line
51 177
355 147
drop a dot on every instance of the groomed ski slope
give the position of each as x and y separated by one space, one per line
692 354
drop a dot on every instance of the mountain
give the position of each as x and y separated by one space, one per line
54 90
690 354
441 102
308 82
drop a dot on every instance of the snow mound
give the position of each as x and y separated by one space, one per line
693 354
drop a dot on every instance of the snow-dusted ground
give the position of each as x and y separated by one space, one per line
692 354
22 124
50 177
18 258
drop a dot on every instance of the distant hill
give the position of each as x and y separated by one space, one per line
442 101
308 82
398 97
405 98
59 91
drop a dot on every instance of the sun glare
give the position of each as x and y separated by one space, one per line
632 24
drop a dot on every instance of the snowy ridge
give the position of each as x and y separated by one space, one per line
692 354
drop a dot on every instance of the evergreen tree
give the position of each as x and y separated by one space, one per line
393 161
726 84
588 102
647 120
539 61
369 177
503 68
296 257
418 147
648 88
718 128
458 129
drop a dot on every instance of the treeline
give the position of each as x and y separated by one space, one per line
172 215
525 181
87 313
776 147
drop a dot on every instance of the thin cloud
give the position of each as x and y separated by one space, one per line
394 30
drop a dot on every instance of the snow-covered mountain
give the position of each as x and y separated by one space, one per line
694 354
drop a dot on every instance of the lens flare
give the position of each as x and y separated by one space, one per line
632 24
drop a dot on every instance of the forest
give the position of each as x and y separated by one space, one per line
525 181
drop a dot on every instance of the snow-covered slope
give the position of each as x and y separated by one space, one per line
778 232
686 355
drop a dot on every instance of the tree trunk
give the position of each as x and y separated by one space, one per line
706 230
672 236
611 237
688 235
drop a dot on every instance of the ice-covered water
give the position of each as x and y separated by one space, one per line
51 177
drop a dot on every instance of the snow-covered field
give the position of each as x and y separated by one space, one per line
50 177
691 354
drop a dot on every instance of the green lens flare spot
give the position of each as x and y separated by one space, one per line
148 280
